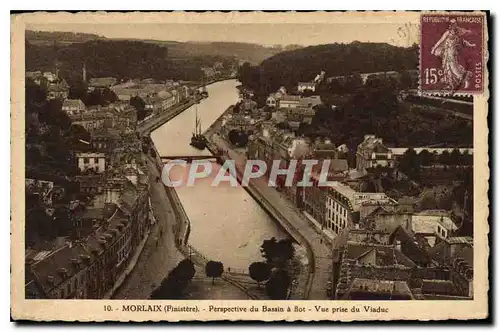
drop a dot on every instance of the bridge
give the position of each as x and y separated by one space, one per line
187 158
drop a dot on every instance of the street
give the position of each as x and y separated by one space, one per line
160 255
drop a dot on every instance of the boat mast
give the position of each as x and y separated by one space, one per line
195 120
199 126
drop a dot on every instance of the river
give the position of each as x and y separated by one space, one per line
226 223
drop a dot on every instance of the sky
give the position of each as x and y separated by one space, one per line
262 33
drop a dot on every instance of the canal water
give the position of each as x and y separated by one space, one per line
226 223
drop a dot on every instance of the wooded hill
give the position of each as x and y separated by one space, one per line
289 67
134 57
120 59
48 37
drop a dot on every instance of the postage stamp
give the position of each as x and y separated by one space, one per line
452 54
249 166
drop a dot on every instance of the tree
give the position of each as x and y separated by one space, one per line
444 158
410 163
428 202
78 91
426 158
277 252
259 271
455 157
353 83
214 270
40 224
140 106
186 269
278 284
405 80
100 97
233 136
172 286
268 249
238 137
76 135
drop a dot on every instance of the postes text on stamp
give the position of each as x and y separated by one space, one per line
452 54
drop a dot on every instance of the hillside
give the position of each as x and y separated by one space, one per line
288 68
122 59
48 37
246 52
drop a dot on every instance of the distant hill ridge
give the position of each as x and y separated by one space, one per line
246 52
60 36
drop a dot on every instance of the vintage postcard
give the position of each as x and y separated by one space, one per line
249 166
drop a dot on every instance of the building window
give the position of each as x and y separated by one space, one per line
96 160
85 160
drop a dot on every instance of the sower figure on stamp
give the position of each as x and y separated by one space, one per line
448 49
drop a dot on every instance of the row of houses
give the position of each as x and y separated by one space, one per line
121 116
110 218
378 265
281 99
338 206
157 96
56 87
88 266
382 248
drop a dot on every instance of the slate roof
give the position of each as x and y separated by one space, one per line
426 224
310 101
409 247
99 82
373 143
73 103
338 165
289 98
49 271
128 198
389 288
460 240
444 287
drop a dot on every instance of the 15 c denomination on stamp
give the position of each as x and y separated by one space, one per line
452 53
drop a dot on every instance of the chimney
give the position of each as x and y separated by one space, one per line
398 245
63 273
102 242
50 280
75 263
